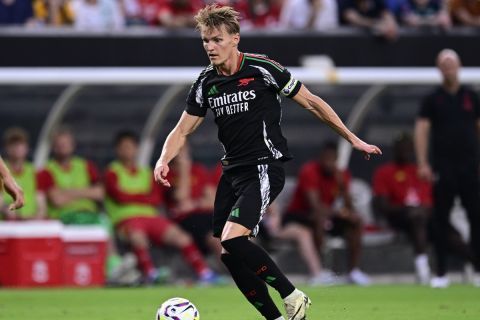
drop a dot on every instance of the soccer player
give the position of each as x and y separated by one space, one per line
15 141
404 200
73 188
451 115
243 91
132 197
190 200
322 204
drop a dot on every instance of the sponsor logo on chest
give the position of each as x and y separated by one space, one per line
231 103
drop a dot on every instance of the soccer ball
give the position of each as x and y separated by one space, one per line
177 309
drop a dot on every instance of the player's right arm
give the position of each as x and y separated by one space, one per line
174 142
11 187
324 112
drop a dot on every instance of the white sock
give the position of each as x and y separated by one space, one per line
293 294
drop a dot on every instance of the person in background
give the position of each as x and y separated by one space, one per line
178 13
466 12
322 204
15 12
16 144
369 14
404 200
73 189
449 123
425 13
98 15
132 200
56 13
319 15
191 200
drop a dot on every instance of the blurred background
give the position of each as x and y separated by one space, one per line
100 67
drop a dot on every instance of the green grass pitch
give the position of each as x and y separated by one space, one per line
225 303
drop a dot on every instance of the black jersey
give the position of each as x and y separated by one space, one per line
246 106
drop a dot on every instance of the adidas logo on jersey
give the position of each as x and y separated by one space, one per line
213 90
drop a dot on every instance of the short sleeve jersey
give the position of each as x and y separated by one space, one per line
454 124
246 107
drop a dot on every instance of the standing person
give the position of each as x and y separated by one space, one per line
132 200
15 141
243 91
451 115
322 203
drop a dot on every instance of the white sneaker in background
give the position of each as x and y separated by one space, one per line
476 280
296 305
324 278
358 277
440 282
422 269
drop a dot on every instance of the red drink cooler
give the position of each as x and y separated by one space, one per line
84 254
30 253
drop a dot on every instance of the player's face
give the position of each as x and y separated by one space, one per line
219 44
17 151
403 151
63 146
329 161
127 150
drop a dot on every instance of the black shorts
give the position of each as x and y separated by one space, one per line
335 226
244 193
199 226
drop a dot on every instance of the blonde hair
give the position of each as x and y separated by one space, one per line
214 16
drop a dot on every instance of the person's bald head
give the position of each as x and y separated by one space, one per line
448 62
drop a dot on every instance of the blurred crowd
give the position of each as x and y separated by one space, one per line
381 17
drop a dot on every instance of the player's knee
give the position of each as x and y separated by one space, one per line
235 245
138 239
177 237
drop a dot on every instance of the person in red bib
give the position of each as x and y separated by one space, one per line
190 200
132 201
322 203
15 141
73 188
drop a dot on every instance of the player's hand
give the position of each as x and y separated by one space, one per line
366 148
160 173
16 192
425 172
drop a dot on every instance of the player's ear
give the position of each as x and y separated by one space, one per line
236 39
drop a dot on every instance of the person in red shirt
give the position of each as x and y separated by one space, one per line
322 203
405 201
132 201
191 199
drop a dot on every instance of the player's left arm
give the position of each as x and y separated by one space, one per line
324 112
11 187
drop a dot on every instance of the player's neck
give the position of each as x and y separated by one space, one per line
128 163
232 64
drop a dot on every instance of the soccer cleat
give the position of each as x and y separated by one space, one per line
440 282
296 305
